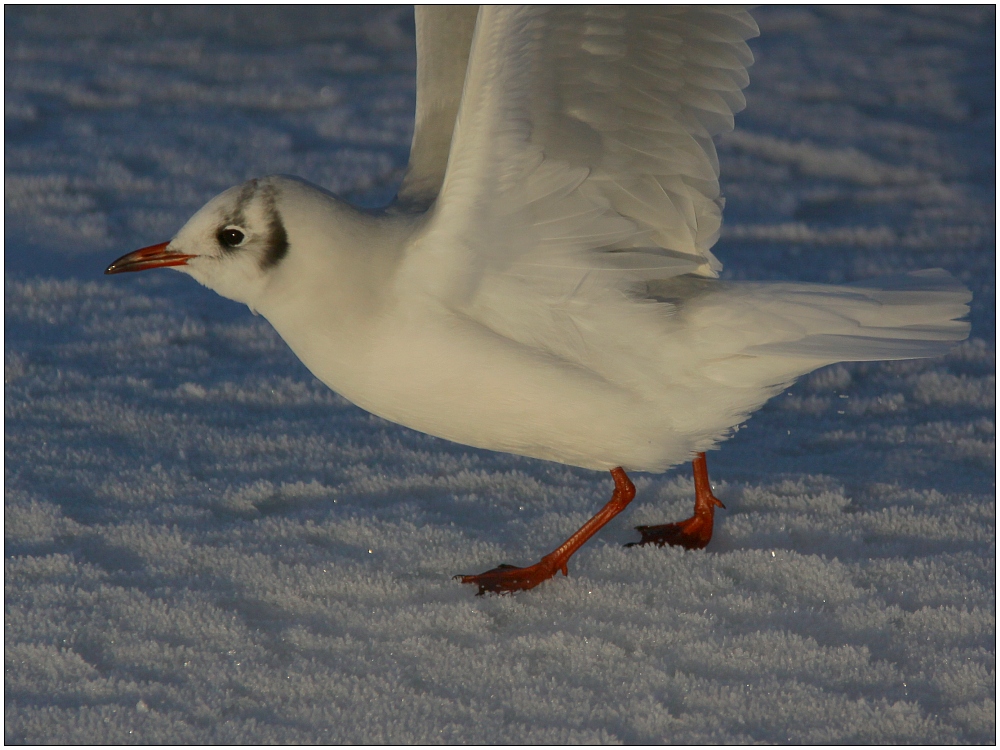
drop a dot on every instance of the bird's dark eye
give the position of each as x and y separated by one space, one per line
231 237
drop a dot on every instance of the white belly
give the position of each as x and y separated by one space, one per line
453 378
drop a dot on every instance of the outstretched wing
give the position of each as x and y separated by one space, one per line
444 38
584 142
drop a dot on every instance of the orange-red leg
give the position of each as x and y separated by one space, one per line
695 532
505 579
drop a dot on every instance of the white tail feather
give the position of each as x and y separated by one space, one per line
896 317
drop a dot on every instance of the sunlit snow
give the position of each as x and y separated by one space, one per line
205 545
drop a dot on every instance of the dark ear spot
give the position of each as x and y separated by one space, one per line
277 240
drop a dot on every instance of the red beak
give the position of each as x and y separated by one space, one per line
154 256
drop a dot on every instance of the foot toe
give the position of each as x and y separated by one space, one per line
694 533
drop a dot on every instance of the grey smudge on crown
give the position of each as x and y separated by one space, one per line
246 195
277 237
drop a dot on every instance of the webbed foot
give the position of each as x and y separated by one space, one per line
506 579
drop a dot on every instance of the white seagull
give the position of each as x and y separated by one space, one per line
544 283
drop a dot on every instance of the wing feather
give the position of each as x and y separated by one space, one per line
582 168
444 38
588 130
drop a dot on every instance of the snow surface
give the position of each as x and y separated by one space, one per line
204 544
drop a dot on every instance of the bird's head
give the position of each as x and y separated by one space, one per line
232 245
279 243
